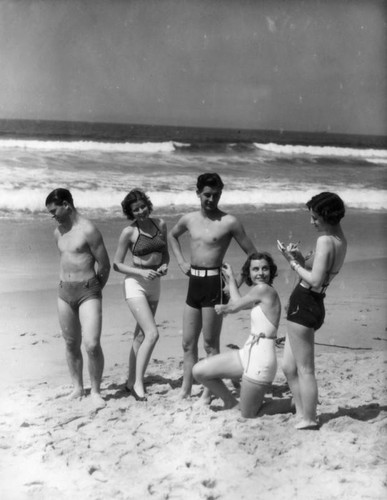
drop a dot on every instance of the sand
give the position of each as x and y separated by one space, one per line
51 448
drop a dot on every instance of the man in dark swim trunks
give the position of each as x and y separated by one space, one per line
80 246
211 231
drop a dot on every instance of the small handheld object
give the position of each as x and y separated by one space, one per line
280 246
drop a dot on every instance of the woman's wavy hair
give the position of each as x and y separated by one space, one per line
133 196
258 256
329 206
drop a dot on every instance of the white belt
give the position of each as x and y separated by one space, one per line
202 273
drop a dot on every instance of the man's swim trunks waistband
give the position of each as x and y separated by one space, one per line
86 283
203 272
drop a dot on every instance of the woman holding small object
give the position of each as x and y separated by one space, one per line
256 362
146 238
306 310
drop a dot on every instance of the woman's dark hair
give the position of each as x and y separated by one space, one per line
133 196
329 206
258 256
209 179
58 196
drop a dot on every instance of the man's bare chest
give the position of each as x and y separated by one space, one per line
73 242
209 233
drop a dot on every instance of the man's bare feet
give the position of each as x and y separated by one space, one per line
97 400
306 425
77 393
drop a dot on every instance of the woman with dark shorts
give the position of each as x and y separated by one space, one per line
146 239
306 310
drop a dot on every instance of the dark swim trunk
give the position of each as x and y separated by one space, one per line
76 293
205 288
306 307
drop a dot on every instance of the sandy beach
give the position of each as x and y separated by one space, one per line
168 449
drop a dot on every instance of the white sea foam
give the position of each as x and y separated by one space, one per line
324 151
377 161
100 174
116 147
374 155
108 200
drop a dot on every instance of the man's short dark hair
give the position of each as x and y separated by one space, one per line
58 196
209 179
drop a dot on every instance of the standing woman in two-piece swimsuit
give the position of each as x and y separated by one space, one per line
146 238
306 310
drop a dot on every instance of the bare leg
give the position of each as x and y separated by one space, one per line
302 346
252 395
71 331
90 315
143 312
192 325
138 338
289 368
212 325
211 370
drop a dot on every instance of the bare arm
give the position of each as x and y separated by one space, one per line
163 269
122 249
316 276
98 250
240 236
231 281
252 297
178 229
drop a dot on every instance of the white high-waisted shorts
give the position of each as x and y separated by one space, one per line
140 287
259 360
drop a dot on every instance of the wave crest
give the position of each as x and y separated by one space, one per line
323 151
116 147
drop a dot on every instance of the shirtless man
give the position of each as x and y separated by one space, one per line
80 246
211 231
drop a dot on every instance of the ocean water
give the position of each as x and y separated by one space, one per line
100 163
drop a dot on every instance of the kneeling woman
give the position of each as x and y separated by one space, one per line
256 362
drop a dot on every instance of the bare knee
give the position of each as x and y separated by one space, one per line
306 370
152 336
93 349
289 369
139 337
198 372
189 346
73 345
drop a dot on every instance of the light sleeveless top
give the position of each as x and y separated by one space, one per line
260 323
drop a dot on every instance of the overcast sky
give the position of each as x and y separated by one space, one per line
309 65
